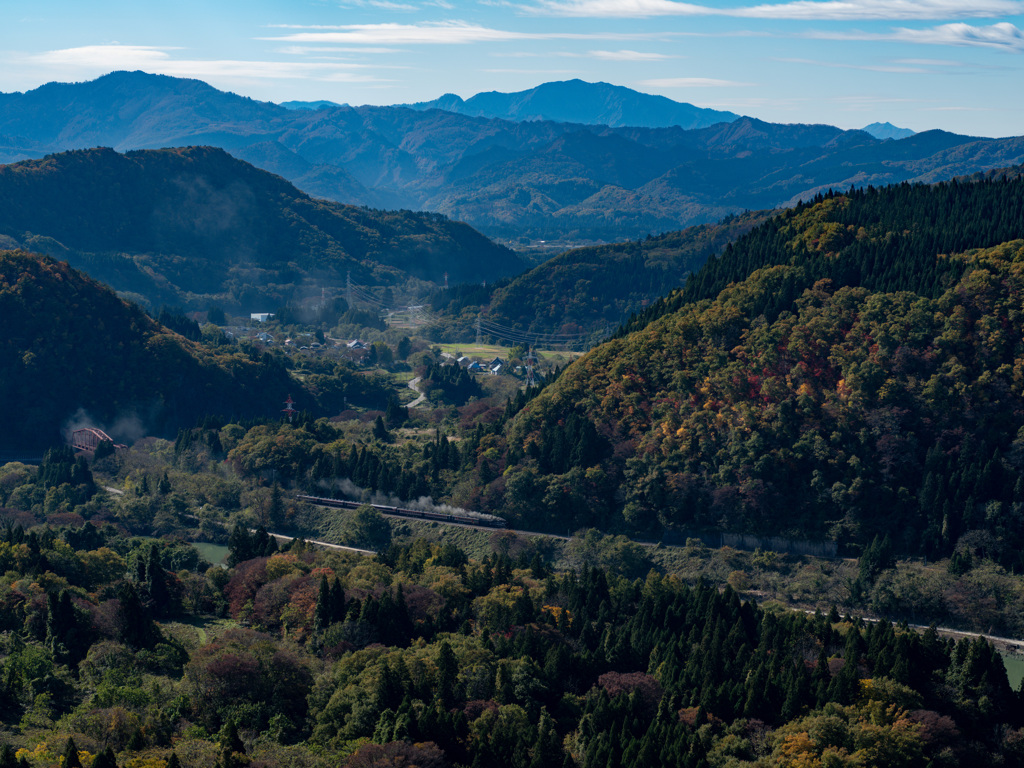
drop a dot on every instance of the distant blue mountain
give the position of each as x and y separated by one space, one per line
576 101
527 176
888 131
310 104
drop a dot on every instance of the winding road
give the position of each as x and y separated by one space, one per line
414 388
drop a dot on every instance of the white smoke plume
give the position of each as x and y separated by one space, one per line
126 428
422 504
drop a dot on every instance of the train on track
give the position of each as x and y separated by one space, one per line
486 521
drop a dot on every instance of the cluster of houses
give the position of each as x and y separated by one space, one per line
494 367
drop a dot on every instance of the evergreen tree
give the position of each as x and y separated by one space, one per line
69 758
156 584
275 511
240 546
232 750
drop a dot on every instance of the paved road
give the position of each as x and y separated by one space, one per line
414 388
324 544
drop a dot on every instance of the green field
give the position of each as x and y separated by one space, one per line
214 553
1014 669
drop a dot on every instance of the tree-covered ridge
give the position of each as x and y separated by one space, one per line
181 225
581 294
589 289
423 656
70 344
793 404
884 239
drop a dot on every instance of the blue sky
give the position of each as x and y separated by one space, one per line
950 64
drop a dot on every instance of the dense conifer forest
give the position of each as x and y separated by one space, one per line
120 650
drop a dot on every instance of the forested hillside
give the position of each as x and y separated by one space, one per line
195 226
587 288
134 652
584 293
850 369
71 349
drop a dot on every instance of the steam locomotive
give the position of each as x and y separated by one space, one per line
488 521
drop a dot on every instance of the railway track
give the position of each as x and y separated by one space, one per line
475 520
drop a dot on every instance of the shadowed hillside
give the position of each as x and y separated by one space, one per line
194 225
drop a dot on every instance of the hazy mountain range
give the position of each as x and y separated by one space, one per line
888 131
575 101
533 179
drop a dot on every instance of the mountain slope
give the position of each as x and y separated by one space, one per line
534 180
131 110
590 290
192 225
69 345
832 375
576 101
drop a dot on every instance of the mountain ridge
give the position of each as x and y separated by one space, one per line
512 180
195 225
577 101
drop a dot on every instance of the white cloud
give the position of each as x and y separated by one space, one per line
692 82
1003 36
307 50
105 58
931 62
384 5
806 10
892 10
621 8
564 72
434 33
629 56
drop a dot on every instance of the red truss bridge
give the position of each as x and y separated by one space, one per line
88 438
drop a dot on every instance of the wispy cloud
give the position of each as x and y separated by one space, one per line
1003 36
692 82
808 10
931 62
892 10
159 60
629 56
434 33
384 5
312 50
602 55
564 72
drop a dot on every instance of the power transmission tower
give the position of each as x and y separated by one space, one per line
531 361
